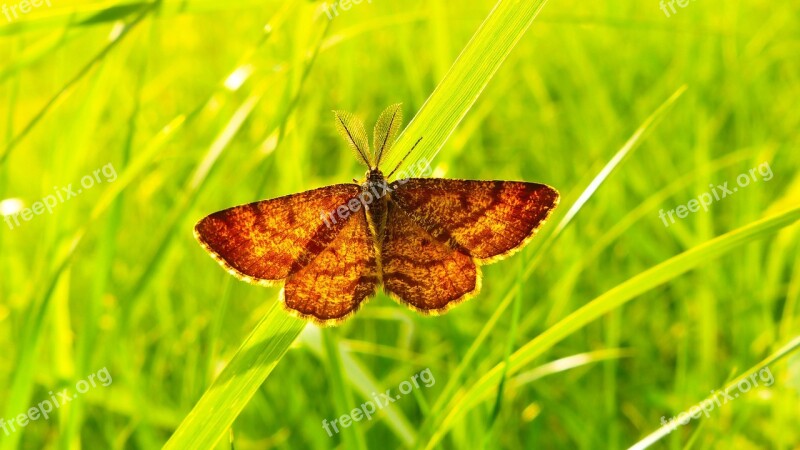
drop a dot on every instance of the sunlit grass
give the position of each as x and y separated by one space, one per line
202 105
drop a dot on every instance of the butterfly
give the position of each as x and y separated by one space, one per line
422 239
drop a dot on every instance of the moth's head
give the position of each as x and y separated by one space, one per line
374 176
351 128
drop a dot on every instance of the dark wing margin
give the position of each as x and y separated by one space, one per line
487 220
265 242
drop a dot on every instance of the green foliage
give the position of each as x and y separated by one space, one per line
612 318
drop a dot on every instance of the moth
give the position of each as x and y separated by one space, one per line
422 239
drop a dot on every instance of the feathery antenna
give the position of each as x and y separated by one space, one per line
404 158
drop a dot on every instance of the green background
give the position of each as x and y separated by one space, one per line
202 105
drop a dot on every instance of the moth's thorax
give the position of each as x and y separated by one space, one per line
375 192
374 176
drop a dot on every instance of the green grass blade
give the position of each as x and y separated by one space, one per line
626 149
364 383
22 382
569 363
510 338
464 82
606 302
352 437
539 247
781 353
213 414
239 381
69 85
87 14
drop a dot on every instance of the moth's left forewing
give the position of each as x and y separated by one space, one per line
265 242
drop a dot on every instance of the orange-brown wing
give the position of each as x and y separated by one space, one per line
333 285
484 219
420 271
266 241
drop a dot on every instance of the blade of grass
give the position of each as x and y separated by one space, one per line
106 252
789 318
784 351
194 185
606 302
34 53
627 221
67 88
362 381
211 417
352 437
538 247
512 333
87 14
22 384
632 143
214 414
569 363
465 81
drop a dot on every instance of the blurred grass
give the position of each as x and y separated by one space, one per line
201 105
